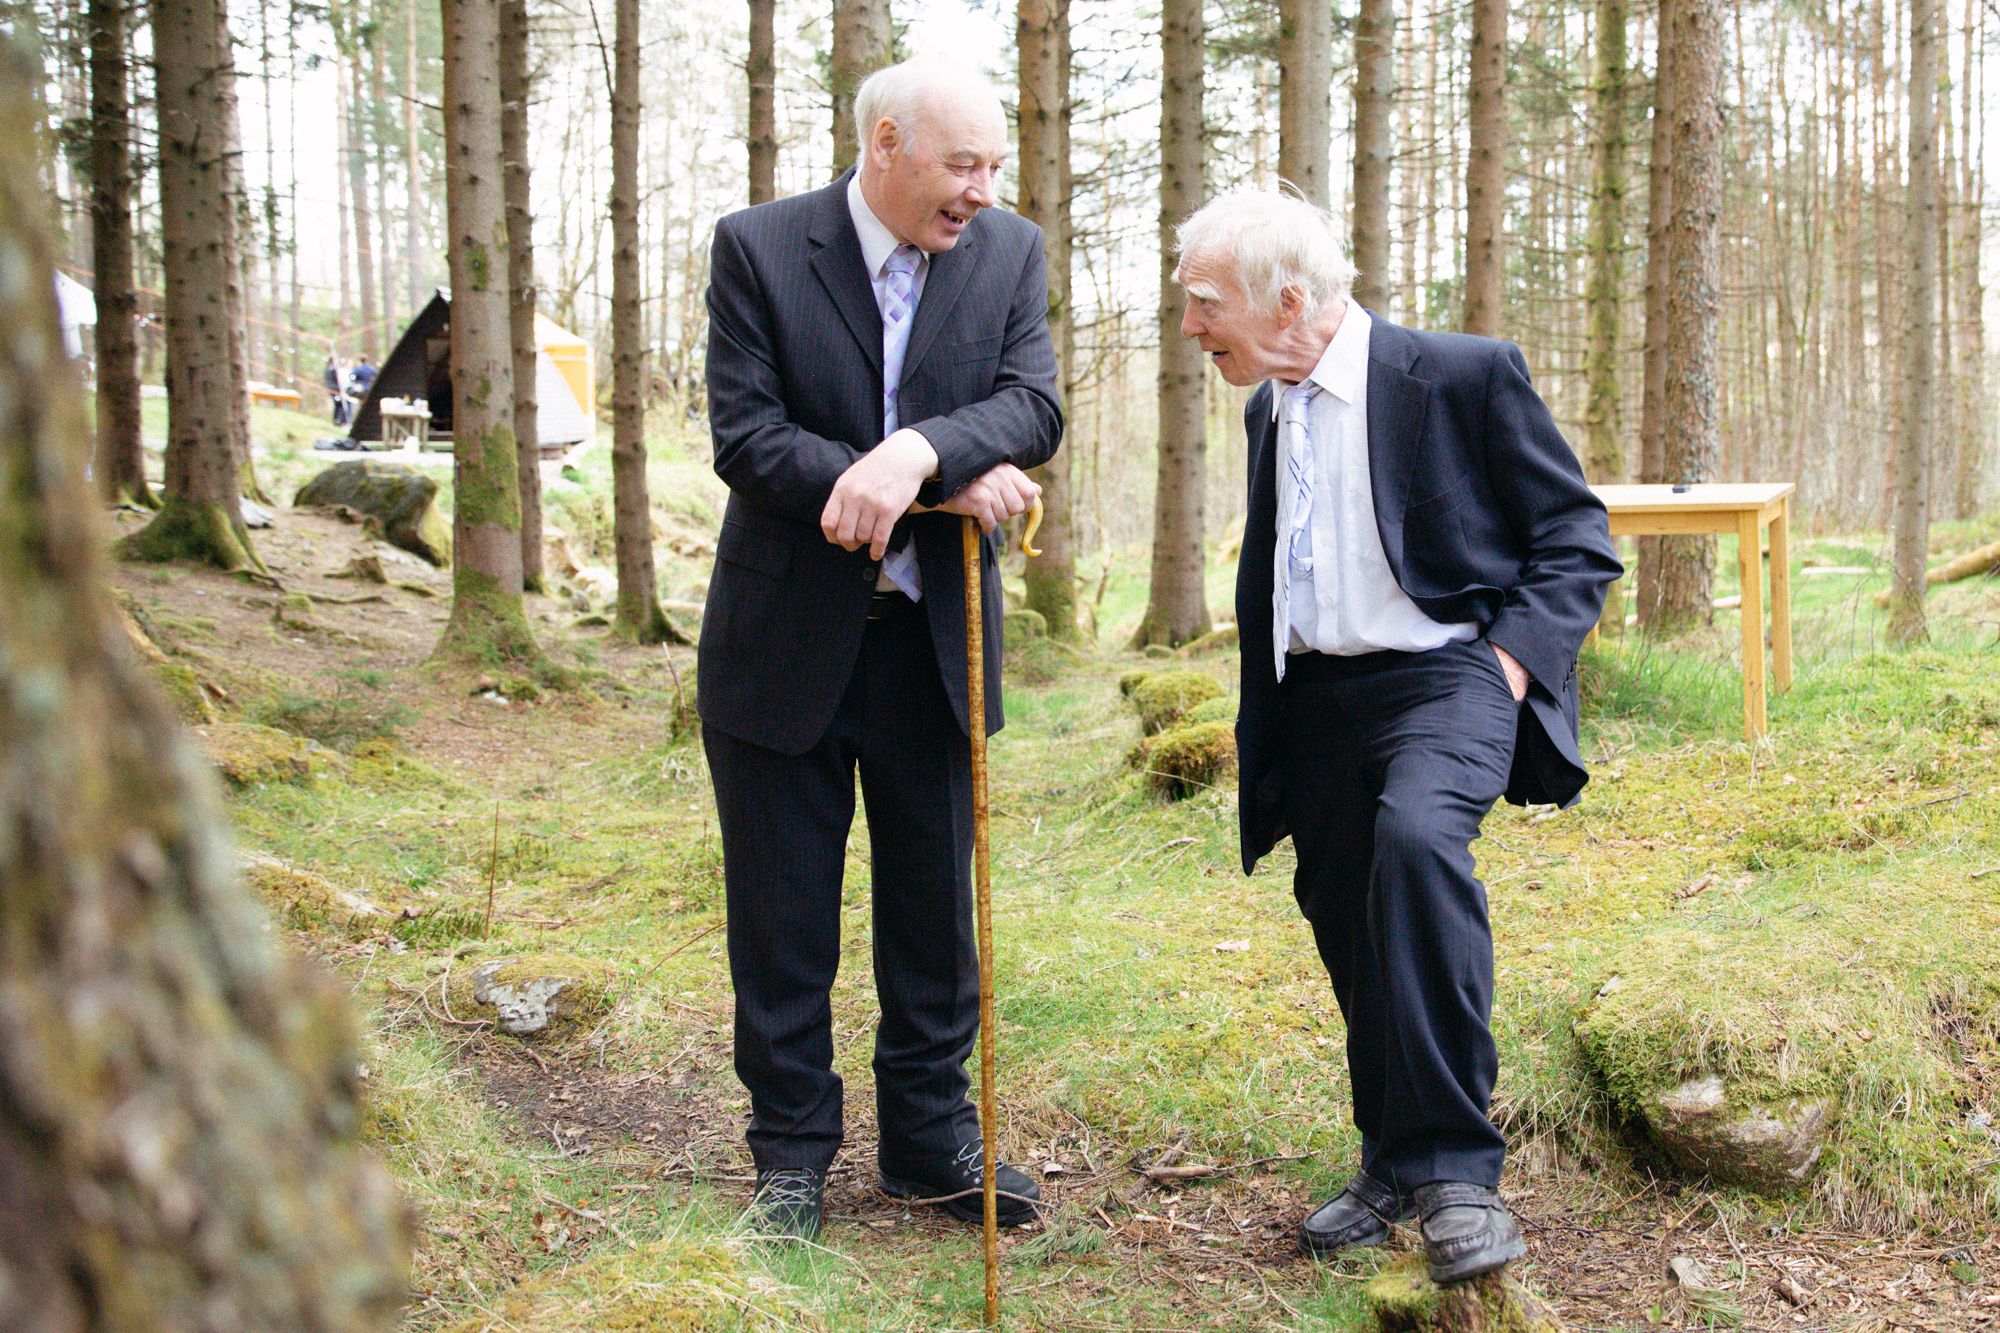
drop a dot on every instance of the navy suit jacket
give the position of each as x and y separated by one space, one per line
1484 516
795 397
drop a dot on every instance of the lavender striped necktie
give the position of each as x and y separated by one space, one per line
899 307
1295 548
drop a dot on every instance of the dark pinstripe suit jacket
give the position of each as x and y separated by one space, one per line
1484 517
795 397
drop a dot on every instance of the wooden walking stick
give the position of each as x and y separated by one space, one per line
975 716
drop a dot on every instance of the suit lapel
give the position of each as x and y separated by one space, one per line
841 270
1395 427
949 272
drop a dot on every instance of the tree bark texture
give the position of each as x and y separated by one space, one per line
120 461
762 71
1485 168
200 517
179 1145
413 175
515 93
1305 112
1692 369
862 43
639 616
1374 105
1653 392
487 617
1604 448
369 343
1176 601
1910 531
1041 27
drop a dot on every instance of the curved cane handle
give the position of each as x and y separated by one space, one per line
1028 546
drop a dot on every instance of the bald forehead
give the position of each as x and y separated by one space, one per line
955 116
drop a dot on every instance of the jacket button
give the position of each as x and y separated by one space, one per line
868 573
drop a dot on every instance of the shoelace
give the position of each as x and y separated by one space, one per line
787 1189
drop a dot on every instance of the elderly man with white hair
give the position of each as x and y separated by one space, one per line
1421 563
879 364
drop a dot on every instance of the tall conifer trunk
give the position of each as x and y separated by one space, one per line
488 620
1374 93
200 515
1604 449
179 1144
515 94
1486 165
120 459
1305 113
1176 601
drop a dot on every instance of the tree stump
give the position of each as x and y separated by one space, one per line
1405 1300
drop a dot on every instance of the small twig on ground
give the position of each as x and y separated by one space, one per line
492 874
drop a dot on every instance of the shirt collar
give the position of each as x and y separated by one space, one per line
877 241
1343 367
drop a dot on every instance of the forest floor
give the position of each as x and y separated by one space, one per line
1155 1005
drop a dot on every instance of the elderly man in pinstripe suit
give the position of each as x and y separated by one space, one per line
879 364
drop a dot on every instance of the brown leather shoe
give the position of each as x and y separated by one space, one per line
1356 1217
1467 1230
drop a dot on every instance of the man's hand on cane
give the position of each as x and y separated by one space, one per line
1004 492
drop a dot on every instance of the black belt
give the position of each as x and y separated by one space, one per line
887 602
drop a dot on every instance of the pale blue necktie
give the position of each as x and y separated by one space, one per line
899 310
1295 441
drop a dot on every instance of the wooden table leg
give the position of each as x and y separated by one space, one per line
1781 595
1750 563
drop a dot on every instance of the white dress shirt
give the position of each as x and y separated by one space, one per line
1350 603
899 567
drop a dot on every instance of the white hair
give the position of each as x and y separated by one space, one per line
903 93
1271 240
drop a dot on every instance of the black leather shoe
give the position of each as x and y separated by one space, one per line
1356 1217
790 1203
1467 1230
957 1183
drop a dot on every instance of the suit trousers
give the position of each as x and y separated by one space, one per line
1389 762
785 822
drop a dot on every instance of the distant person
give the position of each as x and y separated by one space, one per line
361 378
878 347
1420 564
335 379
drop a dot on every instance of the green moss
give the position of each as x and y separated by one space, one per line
1211 710
305 901
584 997
248 755
1023 624
671 1285
1132 680
182 686
1191 757
1405 1300
203 533
1163 698
1211 643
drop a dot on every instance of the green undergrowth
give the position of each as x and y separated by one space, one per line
1805 914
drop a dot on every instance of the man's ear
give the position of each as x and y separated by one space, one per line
1291 305
882 143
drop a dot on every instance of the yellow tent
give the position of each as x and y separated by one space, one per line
575 358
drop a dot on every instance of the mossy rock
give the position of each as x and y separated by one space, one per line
1215 641
397 500
534 995
671 1285
1132 680
302 900
1403 1299
294 611
248 755
1159 650
1022 624
182 686
1191 757
1163 699
1211 710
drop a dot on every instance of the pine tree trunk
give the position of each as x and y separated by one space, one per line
639 616
1374 91
1177 602
1694 306
1604 450
762 68
241 272
413 173
1974 404
178 1117
1910 532
368 344
120 460
1485 171
200 517
343 139
1653 399
514 93
1044 101
862 44
385 253
1305 110
488 620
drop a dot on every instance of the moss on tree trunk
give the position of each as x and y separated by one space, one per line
179 1130
1405 1300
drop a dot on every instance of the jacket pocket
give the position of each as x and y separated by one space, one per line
977 349
763 552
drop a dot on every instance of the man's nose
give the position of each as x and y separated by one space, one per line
1190 328
985 187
